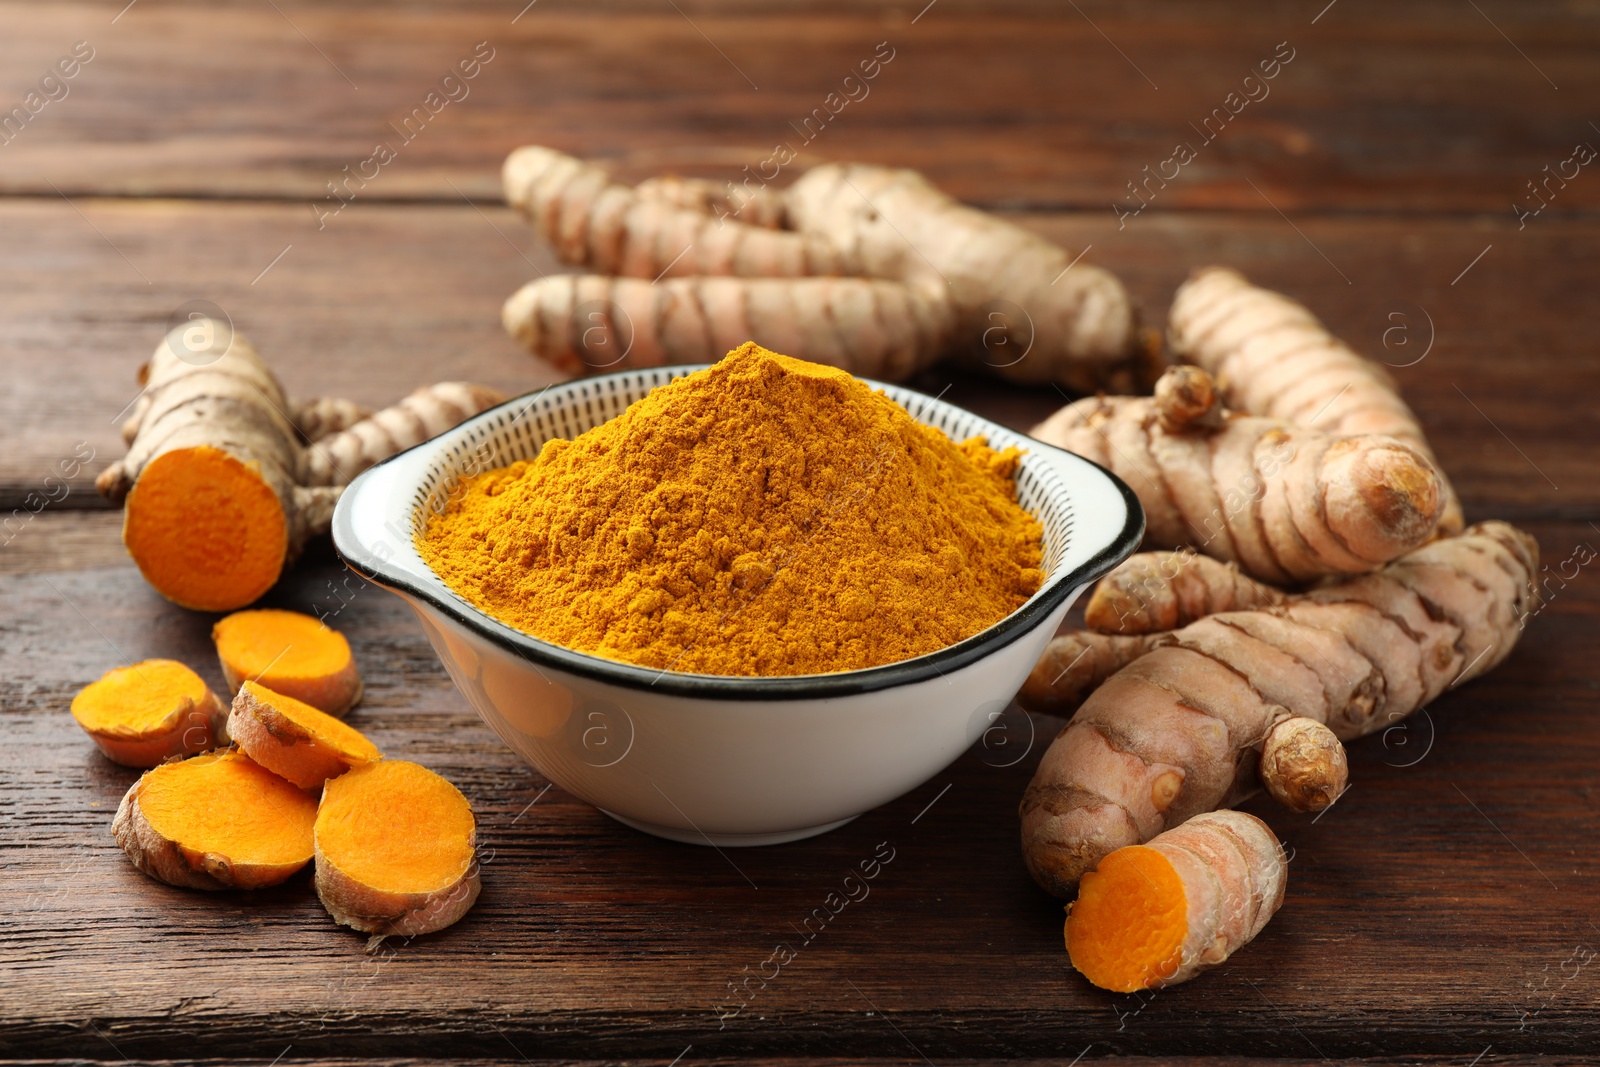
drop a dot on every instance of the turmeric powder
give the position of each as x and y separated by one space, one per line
765 516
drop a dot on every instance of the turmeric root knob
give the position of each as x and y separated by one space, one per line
143 715
1303 764
1157 914
215 821
1286 502
394 846
289 653
293 739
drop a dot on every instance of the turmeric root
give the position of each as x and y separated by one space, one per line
588 323
216 505
428 412
143 715
758 206
1180 729
594 222
289 653
323 415
394 845
1155 915
1274 358
294 740
213 512
215 821
1286 502
1155 591
1069 322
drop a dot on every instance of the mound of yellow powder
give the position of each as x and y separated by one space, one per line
765 516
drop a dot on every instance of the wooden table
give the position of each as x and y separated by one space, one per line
1442 912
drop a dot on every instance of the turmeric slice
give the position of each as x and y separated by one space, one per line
289 653
143 715
216 821
394 846
1158 914
293 739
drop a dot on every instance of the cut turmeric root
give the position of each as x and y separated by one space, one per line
1157 914
216 496
216 821
289 653
395 850
143 715
294 740
1178 730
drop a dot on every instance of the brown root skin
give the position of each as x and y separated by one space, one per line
320 416
1287 503
1077 328
1074 665
195 723
761 206
877 329
594 222
1355 656
429 411
438 881
1156 915
1275 359
1303 764
166 859
294 740
1151 592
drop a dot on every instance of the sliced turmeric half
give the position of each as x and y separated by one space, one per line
1158 914
289 653
395 850
216 821
293 739
206 528
143 715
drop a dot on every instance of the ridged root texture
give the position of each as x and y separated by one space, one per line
1179 730
990 278
1151 592
1274 358
1287 503
1155 915
590 323
289 653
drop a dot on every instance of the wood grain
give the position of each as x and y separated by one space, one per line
391 296
1428 106
1434 910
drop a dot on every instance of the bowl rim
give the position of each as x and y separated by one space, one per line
361 559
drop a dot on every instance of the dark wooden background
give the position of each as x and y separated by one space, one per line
1443 912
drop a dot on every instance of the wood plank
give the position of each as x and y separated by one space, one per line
1422 107
63 540
1434 911
390 296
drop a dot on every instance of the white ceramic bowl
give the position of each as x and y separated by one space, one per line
711 759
